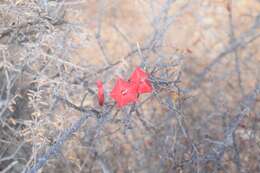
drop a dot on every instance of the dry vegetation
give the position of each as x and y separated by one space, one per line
204 61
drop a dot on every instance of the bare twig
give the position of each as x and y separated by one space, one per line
55 148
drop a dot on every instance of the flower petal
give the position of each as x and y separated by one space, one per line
124 92
140 78
101 97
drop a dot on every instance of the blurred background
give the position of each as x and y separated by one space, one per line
204 63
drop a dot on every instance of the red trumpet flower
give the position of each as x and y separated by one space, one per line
124 93
100 92
141 79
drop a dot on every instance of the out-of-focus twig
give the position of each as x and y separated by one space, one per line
240 42
55 148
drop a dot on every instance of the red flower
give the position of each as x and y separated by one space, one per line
124 93
140 78
100 92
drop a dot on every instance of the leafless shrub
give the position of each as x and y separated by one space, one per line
203 115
